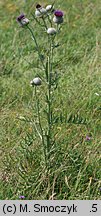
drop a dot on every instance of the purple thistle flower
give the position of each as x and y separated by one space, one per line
88 138
19 18
22 20
58 13
21 197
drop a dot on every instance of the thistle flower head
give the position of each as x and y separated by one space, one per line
21 197
51 31
22 20
35 82
88 138
58 13
58 17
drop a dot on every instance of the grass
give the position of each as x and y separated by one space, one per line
76 165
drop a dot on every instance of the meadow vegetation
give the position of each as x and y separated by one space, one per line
76 166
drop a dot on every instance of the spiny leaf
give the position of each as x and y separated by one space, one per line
76 119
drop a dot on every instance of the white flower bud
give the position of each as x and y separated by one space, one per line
37 13
57 20
40 12
49 7
24 21
35 82
51 31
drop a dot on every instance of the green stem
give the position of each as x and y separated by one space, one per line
37 20
44 23
49 19
50 69
39 120
38 50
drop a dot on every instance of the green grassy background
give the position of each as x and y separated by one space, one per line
77 172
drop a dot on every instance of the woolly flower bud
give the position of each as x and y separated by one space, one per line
40 12
51 31
57 20
49 8
35 82
22 20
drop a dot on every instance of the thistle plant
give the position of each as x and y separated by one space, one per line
49 21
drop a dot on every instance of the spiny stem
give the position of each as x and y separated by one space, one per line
44 23
37 20
38 50
50 68
49 19
39 120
